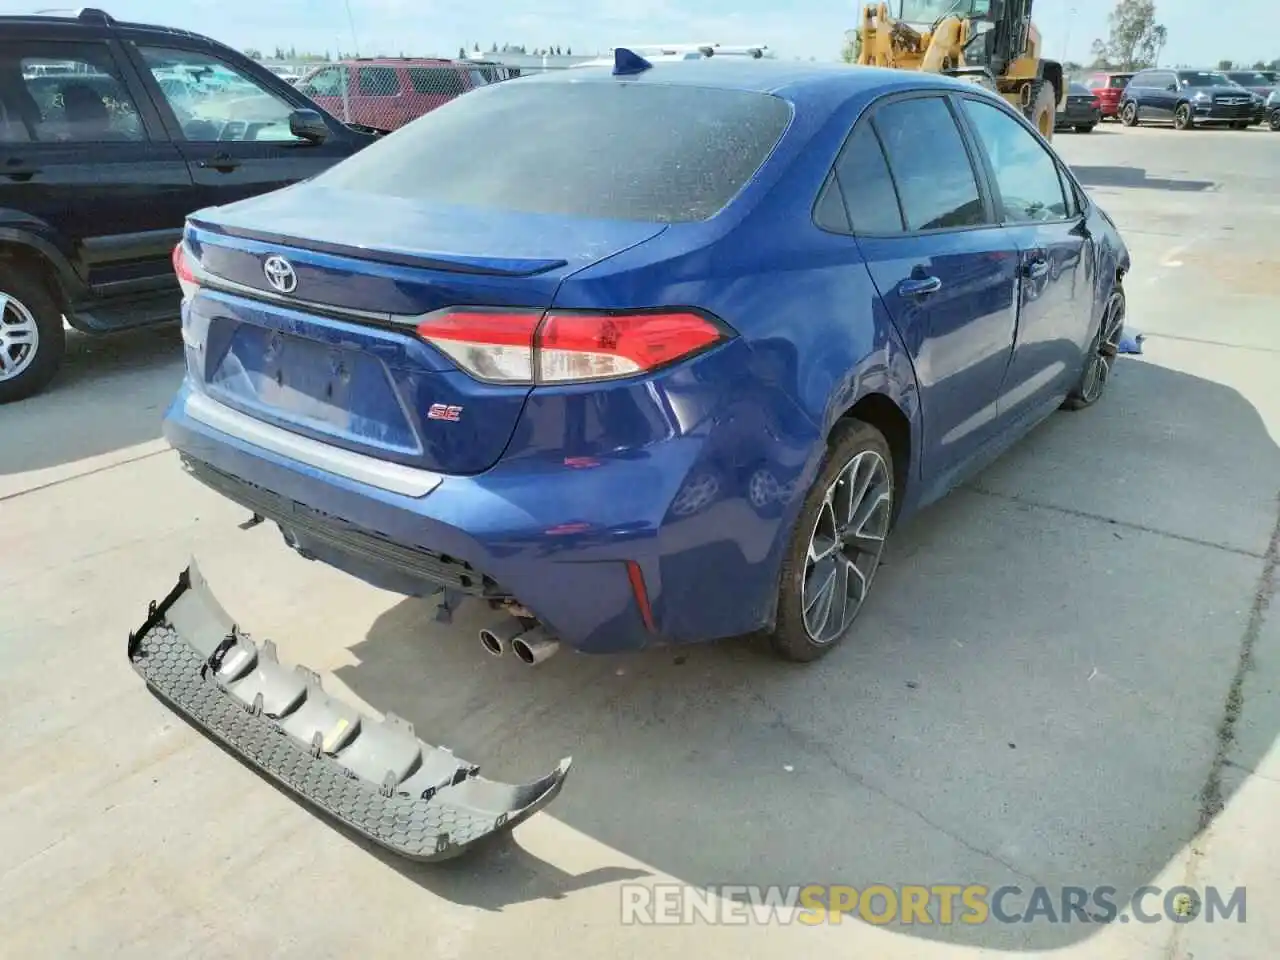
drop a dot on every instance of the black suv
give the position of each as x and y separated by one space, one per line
1188 98
110 134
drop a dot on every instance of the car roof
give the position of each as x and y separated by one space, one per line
792 81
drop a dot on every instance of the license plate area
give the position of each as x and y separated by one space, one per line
292 380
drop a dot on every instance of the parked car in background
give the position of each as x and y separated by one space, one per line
1271 110
690 408
1255 81
1188 98
1082 110
387 93
110 134
1107 86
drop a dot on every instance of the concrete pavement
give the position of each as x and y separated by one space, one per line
1067 669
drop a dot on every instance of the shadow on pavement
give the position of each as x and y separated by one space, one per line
1034 695
111 393
1136 177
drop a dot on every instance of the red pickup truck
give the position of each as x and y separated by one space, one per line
387 92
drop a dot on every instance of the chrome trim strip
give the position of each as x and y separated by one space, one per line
392 477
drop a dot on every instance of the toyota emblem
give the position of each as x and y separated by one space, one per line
280 274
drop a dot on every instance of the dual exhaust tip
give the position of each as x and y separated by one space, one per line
531 645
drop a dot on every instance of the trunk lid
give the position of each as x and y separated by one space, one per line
333 354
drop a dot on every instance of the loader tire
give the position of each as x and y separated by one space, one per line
1042 108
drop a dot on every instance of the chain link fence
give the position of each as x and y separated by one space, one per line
387 93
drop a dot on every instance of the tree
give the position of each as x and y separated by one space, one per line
253 53
1225 64
279 53
462 53
568 51
494 47
1136 39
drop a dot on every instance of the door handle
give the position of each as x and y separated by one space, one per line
1037 268
919 286
222 163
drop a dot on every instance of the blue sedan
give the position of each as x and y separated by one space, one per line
653 354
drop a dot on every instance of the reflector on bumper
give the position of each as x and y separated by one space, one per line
374 776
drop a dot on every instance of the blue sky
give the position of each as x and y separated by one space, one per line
804 28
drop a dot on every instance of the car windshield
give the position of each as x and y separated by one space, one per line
1121 79
1251 79
627 151
1205 78
930 11
1080 90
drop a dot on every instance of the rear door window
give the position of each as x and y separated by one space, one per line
627 151
63 92
869 193
377 82
936 182
437 81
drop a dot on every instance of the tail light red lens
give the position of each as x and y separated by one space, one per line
186 276
565 346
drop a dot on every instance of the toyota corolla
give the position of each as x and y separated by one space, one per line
653 354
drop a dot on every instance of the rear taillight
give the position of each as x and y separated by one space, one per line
186 276
566 346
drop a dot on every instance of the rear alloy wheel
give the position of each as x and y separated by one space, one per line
32 340
836 547
1182 119
1101 357
1273 121
1129 115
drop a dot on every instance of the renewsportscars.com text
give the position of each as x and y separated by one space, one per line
919 904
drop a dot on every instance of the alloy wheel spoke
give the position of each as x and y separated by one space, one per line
858 580
825 537
818 609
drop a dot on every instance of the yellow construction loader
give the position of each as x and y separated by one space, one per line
990 42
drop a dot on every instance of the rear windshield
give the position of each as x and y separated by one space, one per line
627 151
1121 80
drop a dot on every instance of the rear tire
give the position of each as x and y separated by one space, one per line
1240 125
1273 120
835 548
32 341
1085 128
1182 117
1129 114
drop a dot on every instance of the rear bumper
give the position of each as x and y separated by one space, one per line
565 541
1079 116
376 777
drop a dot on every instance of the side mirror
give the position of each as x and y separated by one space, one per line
308 125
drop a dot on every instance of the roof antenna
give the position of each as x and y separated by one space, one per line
627 63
